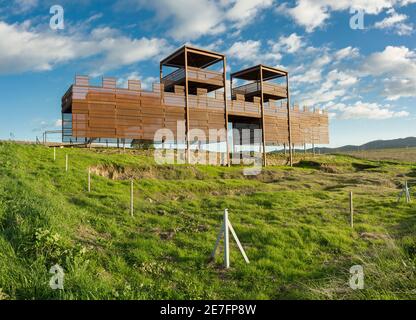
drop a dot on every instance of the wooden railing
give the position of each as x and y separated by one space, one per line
201 75
268 88
194 74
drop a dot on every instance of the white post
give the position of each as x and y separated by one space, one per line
131 198
226 227
238 242
66 162
351 210
226 241
89 179
54 153
407 192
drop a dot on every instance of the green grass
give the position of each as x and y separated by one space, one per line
293 222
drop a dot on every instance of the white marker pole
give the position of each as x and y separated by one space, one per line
131 198
351 210
226 240
66 162
54 153
89 179
408 192
238 242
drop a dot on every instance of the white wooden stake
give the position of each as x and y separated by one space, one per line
224 231
238 242
352 210
407 192
54 153
226 241
66 162
131 198
89 179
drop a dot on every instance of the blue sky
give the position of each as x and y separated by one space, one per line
366 78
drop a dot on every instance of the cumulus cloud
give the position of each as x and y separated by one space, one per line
312 14
243 12
289 44
192 19
43 125
396 22
347 53
397 66
364 110
22 6
335 86
251 51
23 49
146 82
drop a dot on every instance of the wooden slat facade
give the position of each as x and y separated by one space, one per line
192 101
115 113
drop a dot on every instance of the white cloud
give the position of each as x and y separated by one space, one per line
22 6
146 82
245 50
192 19
347 53
397 66
242 12
395 22
118 50
312 73
289 44
309 14
58 123
363 110
250 51
23 49
43 125
312 14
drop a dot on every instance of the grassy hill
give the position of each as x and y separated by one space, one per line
293 222
409 142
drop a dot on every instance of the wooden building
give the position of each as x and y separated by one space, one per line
192 91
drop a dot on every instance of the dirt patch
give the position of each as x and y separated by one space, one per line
115 172
90 237
373 236
362 166
324 167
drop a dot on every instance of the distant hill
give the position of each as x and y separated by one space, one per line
409 142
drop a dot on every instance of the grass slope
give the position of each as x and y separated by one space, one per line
293 222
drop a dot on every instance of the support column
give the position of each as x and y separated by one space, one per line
226 108
188 155
263 127
289 124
